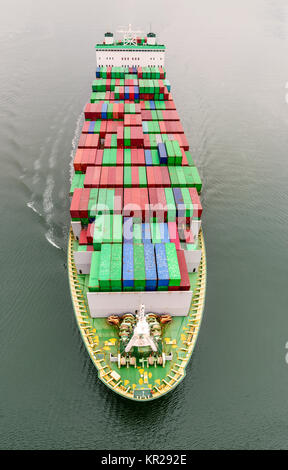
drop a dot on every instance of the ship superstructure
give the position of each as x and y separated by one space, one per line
136 237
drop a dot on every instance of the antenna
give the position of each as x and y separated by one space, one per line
130 36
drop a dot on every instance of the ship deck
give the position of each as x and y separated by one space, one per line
143 382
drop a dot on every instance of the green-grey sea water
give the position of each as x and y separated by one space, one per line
227 63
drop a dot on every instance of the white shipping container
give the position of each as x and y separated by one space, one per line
76 227
195 227
193 258
83 268
103 304
82 257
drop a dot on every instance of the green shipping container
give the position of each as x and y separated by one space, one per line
117 228
137 231
98 232
108 228
187 202
93 283
92 205
180 176
178 153
127 157
173 266
105 267
127 177
116 267
139 267
142 176
171 207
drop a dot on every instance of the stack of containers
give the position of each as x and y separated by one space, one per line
134 174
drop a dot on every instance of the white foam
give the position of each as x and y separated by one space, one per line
49 238
75 139
31 204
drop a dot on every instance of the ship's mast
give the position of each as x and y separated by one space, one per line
129 35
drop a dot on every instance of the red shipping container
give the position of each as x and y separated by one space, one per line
135 176
88 158
85 127
118 201
127 119
120 156
121 108
189 237
197 207
119 177
107 143
103 127
134 157
162 73
184 158
170 104
162 203
90 233
87 111
77 160
120 137
182 140
82 141
141 156
162 126
111 127
157 176
111 177
185 281
92 177
146 141
153 198
165 176
150 176
92 141
144 203
157 206
99 157
173 234
83 204
104 177
74 207
132 202
83 237
146 115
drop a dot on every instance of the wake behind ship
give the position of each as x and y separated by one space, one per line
136 255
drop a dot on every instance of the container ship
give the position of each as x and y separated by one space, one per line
136 255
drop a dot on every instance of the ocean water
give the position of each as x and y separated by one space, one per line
227 63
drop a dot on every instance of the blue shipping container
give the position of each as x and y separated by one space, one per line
128 229
148 157
162 153
179 202
150 267
91 127
128 265
162 265
104 111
